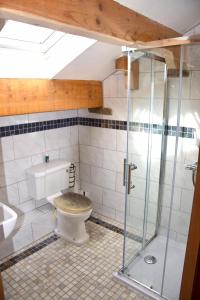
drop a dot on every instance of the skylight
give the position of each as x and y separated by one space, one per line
25 32
37 52
17 35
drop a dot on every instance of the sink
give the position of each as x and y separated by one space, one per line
8 218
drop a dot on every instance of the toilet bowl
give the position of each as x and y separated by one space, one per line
72 212
48 180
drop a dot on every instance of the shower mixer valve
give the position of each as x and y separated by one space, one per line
192 167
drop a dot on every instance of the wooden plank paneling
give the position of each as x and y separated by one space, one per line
104 20
189 281
20 96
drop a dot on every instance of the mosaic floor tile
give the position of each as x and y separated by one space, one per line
62 270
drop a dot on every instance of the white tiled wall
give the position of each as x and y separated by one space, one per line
102 152
18 153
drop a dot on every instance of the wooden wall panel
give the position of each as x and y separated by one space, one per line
20 96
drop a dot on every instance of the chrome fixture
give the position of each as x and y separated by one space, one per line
192 167
150 259
72 175
131 167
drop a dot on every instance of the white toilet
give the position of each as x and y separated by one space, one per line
48 180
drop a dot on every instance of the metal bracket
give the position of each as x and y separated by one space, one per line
101 110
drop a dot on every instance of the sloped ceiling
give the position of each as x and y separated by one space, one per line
180 15
96 63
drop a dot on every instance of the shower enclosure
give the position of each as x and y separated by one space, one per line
162 149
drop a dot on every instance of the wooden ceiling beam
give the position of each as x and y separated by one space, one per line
104 20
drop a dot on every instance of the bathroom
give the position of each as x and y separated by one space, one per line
133 156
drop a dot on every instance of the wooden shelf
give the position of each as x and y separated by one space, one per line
22 96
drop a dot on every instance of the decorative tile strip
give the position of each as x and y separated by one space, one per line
15 259
116 229
37 126
185 132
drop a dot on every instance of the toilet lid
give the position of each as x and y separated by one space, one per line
73 203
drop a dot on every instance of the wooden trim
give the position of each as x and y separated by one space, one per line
104 20
178 41
1 289
196 285
191 271
22 96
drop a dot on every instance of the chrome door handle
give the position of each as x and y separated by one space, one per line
192 167
124 173
131 167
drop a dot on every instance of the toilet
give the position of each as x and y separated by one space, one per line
49 180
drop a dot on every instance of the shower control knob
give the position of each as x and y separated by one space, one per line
192 167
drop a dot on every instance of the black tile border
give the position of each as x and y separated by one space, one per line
37 126
17 258
116 229
184 132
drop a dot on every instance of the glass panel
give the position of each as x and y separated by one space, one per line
188 102
145 138
137 150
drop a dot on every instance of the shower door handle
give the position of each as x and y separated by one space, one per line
131 167
192 167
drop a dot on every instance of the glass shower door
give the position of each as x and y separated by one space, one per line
145 131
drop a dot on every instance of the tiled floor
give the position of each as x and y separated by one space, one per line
62 270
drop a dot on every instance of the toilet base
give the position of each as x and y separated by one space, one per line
73 240
72 226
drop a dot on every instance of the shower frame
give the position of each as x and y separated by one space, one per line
154 57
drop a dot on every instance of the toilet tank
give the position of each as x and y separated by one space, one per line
47 179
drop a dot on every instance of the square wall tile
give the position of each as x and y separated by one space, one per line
104 178
14 171
103 138
91 155
57 138
23 191
114 200
85 172
6 149
10 195
84 135
28 144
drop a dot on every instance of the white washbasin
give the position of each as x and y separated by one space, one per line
8 218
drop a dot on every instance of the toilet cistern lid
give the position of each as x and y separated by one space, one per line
73 203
